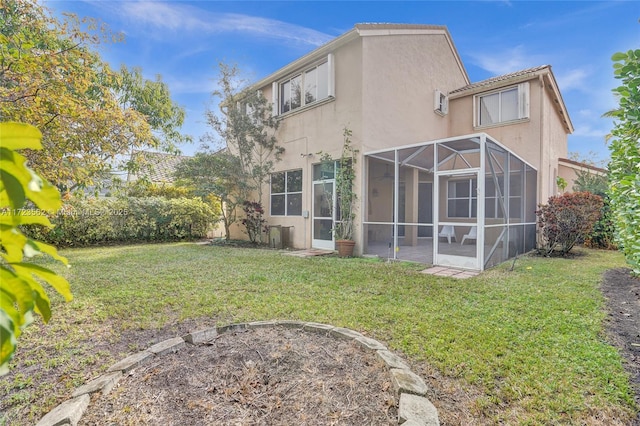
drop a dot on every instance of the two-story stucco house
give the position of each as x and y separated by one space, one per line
450 172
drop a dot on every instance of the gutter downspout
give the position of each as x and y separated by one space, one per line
542 140
540 180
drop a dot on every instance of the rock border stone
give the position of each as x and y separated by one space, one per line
413 407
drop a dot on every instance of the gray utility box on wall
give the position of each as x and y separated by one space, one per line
279 236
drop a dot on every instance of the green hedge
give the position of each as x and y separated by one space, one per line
95 221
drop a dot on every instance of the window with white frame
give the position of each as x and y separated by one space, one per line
312 85
503 106
462 198
286 193
440 103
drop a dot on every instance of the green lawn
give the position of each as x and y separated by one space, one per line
527 343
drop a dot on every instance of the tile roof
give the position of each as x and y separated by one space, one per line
158 167
583 165
501 78
390 26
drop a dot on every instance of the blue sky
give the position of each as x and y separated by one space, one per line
183 41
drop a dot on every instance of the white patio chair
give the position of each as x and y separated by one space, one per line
472 235
447 232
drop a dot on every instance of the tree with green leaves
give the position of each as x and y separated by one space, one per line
216 174
245 124
52 77
25 198
624 167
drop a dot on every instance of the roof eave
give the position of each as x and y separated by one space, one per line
299 63
461 93
551 80
581 166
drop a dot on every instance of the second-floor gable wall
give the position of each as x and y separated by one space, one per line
401 72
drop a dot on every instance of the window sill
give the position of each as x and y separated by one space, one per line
306 107
503 123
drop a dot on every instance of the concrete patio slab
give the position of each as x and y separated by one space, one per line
442 271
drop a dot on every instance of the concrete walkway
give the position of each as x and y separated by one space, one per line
309 253
443 271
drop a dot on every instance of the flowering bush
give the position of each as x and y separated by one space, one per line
254 221
566 220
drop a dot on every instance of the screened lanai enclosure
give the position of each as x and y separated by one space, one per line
465 202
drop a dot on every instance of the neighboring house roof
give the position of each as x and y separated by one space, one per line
577 165
363 30
542 71
157 167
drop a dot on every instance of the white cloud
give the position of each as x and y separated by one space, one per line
506 61
586 130
191 85
164 20
573 79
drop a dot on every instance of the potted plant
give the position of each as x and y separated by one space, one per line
346 198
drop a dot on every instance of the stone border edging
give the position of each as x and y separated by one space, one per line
414 409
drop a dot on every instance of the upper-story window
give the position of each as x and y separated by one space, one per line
503 106
312 85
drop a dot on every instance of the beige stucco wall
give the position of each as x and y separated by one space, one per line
400 75
569 172
554 133
569 175
305 132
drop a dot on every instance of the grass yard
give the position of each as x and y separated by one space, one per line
527 346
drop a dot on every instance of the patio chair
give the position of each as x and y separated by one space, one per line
447 232
472 235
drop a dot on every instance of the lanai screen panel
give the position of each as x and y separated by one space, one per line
530 206
457 171
458 154
510 195
400 204
380 189
415 209
496 233
379 203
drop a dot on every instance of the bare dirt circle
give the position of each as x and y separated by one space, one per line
263 376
